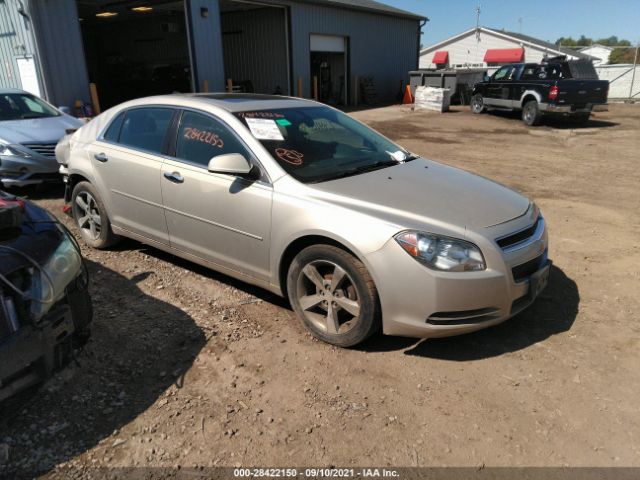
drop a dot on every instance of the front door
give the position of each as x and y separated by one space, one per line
127 165
498 89
220 218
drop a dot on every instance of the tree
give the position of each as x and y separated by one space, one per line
622 55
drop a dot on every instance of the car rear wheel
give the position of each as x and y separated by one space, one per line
333 295
477 104
531 114
91 217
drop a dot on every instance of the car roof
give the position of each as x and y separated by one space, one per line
243 102
4 91
231 102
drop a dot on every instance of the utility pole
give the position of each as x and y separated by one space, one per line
478 11
633 76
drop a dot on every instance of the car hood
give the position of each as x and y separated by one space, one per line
423 191
37 130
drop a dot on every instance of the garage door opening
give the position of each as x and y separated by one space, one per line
135 49
329 68
255 44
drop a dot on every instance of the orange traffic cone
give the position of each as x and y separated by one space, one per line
408 98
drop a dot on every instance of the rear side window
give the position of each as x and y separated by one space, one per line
113 132
145 128
200 138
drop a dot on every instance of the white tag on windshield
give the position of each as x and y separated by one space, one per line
264 129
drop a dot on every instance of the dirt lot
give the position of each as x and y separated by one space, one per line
188 367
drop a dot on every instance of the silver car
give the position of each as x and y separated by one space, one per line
302 200
30 128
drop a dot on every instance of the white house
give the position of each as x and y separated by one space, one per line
486 47
599 52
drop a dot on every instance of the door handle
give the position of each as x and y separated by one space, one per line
174 177
101 157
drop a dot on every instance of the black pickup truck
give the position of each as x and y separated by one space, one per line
569 88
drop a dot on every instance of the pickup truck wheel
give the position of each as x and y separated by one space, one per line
531 114
477 104
334 296
91 217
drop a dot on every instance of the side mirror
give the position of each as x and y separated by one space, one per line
232 164
487 78
65 109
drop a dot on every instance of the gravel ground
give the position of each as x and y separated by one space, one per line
189 367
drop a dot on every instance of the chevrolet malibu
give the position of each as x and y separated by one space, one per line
303 200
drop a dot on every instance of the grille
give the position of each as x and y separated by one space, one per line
518 237
46 150
463 317
523 271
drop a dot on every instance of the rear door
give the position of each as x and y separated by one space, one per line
127 162
220 218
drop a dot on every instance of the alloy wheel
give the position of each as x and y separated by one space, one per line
88 215
328 297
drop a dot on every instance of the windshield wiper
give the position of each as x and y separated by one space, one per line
361 169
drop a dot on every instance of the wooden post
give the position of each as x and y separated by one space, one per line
95 101
300 87
205 86
356 91
229 85
315 88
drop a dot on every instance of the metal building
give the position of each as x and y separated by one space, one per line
133 48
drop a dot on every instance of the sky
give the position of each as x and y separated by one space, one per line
543 19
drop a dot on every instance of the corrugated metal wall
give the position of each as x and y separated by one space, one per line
380 46
206 44
60 46
255 48
16 40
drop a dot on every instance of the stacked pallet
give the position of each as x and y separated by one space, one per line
368 92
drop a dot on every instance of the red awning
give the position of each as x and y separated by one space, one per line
441 58
504 55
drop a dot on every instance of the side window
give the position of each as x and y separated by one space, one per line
113 132
529 72
200 138
503 73
145 128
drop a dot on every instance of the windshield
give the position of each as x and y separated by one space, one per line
21 106
315 144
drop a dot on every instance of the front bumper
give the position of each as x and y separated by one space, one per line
21 172
419 302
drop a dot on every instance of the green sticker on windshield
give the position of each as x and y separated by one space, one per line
284 122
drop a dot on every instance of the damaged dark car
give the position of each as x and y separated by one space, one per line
45 307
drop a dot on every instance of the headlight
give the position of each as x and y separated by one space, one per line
9 151
441 253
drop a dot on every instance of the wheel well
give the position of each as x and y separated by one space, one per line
528 98
75 179
296 247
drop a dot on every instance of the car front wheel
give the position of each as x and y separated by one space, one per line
91 217
477 104
334 296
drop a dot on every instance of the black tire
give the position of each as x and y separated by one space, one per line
96 236
531 114
477 104
354 287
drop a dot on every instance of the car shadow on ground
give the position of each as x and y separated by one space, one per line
140 347
557 121
553 312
